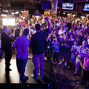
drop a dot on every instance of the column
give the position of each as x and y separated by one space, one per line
55 4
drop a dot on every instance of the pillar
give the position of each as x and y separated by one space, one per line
55 4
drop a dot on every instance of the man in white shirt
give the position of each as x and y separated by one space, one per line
81 51
21 44
62 31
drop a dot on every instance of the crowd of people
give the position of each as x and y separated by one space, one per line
60 39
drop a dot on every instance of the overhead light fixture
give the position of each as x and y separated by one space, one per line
73 15
82 17
64 13
3 15
68 14
6 10
12 13
17 12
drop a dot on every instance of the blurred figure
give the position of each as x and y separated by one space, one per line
6 47
80 55
85 66
61 31
12 33
69 25
81 36
21 44
17 33
56 49
78 40
65 51
0 44
72 39
73 55
49 48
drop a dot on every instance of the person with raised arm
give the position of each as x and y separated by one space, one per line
38 48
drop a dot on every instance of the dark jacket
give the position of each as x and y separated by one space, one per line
6 43
38 42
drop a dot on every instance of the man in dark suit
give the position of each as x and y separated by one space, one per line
6 47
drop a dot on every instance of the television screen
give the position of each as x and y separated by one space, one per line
46 5
68 6
8 21
86 7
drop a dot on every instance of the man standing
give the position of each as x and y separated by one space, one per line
21 44
38 48
0 44
6 47
81 51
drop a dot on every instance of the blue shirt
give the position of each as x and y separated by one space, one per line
56 47
21 44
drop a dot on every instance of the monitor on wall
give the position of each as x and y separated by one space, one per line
86 7
68 6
